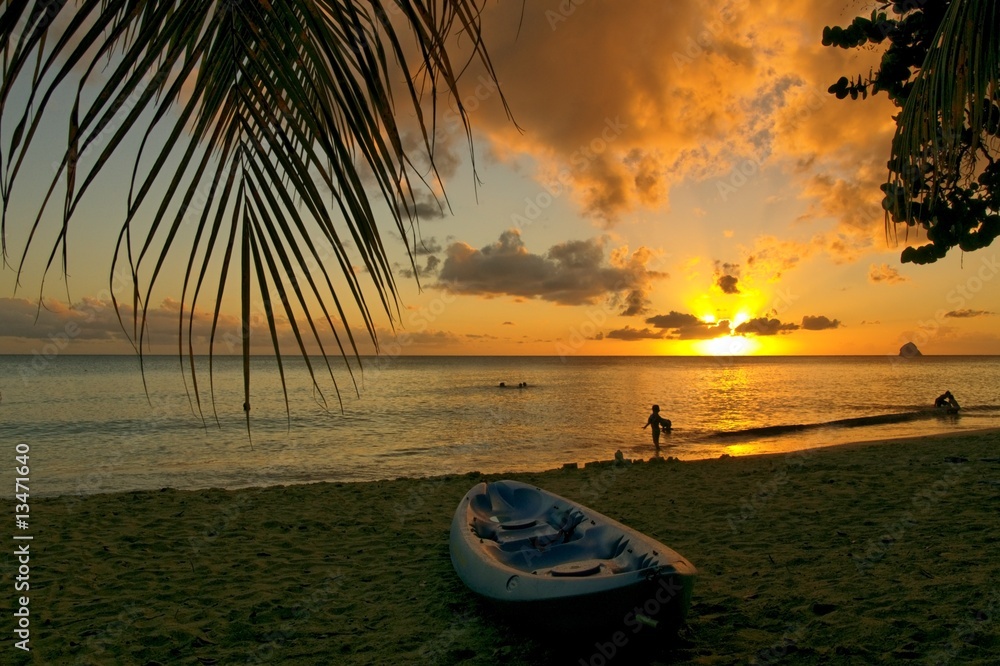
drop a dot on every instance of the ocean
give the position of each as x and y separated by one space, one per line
97 424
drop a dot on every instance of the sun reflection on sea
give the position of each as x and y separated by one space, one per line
732 394
746 449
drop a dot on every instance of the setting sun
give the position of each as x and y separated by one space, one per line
740 318
730 345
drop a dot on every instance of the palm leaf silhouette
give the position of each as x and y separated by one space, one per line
947 126
258 121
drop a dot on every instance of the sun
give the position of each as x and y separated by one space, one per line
729 345
740 318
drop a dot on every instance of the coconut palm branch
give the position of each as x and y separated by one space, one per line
262 127
948 128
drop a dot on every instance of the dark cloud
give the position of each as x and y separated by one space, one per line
673 319
632 303
702 331
427 246
819 323
428 269
426 208
88 320
570 273
966 313
727 277
629 333
728 284
764 326
94 324
685 326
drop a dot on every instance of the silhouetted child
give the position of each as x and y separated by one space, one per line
658 422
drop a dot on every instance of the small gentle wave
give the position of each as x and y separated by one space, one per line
855 422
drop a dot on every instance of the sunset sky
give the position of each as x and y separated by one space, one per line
678 181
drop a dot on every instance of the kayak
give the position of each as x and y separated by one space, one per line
561 565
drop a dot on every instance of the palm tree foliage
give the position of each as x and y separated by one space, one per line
263 123
942 67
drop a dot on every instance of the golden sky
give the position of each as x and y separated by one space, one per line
678 181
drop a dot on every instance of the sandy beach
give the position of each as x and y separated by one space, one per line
871 552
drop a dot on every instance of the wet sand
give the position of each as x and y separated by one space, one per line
862 553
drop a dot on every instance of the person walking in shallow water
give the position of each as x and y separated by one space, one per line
657 422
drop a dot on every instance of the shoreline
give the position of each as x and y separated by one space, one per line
875 550
666 451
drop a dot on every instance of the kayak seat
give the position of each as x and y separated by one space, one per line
588 544
505 503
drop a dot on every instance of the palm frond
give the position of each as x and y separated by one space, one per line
256 121
944 126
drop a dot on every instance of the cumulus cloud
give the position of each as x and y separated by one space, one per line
94 324
819 323
770 258
570 273
966 313
424 207
429 268
885 273
728 284
630 334
90 319
427 246
764 326
619 131
727 277
683 326
674 319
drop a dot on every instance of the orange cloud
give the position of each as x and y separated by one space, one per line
885 273
616 103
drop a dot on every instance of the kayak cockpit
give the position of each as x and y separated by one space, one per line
520 529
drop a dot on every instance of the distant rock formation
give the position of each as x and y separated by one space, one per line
909 350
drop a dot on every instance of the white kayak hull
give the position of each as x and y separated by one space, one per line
558 563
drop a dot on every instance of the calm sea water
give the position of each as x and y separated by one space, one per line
91 427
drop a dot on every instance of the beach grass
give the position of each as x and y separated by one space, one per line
873 552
